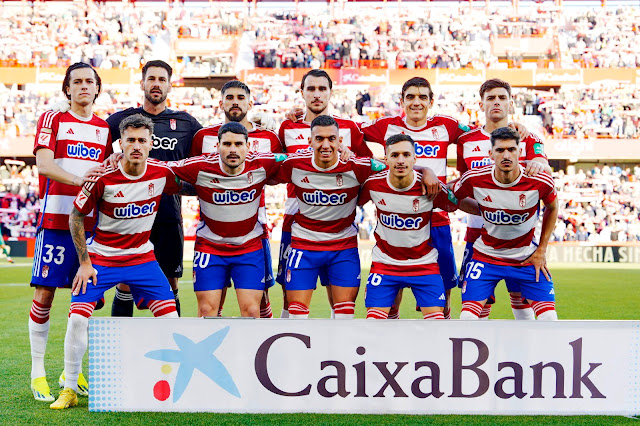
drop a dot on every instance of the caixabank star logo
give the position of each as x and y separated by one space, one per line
191 356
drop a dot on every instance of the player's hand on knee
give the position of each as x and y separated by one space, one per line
86 273
539 260
533 168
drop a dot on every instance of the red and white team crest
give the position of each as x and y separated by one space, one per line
339 180
288 275
435 133
523 200
98 134
45 271
172 124
416 205
250 177
151 190
255 145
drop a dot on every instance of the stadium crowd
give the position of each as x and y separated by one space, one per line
122 36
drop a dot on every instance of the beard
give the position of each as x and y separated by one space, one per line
155 101
238 117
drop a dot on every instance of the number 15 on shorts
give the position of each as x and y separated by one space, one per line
294 258
474 270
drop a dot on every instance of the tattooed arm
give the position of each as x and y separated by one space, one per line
85 273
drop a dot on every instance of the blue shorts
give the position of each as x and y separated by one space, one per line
285 249
212 272
147 282
340 267
482 278
441 241
468 255
269 281
382 290
55 260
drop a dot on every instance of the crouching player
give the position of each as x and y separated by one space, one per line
403 255
229 239
126 199
509 201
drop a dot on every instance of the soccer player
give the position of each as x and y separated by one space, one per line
316 86
509 201
323 239
173 132
403 255
432 136
126 198
229 240
68 145
473 151
236 103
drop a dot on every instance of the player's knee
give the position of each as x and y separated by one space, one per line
44 295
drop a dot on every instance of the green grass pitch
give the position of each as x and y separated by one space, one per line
582 291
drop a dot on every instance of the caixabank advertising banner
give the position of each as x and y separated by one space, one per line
364 366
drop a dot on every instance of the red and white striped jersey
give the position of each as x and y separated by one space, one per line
431 142
510 212
127 206
295 138
78 144
403 233
473 152
205 141
260 140
228 204
327 199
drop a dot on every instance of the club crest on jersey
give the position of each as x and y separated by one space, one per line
523 200
45 271
255 145
98 134
172 124
288 275
151 190
416 204
250 177
435 134
339 180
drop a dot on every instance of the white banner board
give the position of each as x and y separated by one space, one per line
364 366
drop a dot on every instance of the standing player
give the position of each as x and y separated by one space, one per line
229 240
68 144
126 198
236 103
432 136
506 248
474 148
403 255
173 132
316 88
323 240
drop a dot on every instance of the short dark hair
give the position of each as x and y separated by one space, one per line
233 127
324 121
417 82
394 139
494 83
157 64
235 84
137 121
316 73
504 134
67 78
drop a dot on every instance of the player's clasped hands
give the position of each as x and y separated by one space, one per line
86 273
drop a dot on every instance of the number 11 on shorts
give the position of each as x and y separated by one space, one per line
295 255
